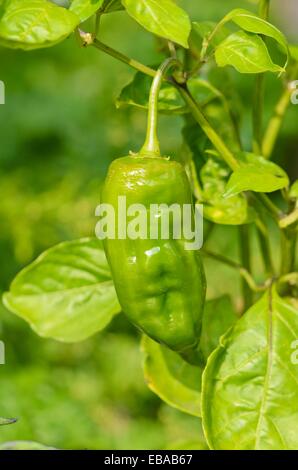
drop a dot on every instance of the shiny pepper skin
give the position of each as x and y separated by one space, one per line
160 285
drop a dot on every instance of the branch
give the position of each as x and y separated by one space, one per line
275 123
242 271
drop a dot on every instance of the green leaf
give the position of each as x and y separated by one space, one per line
232 211
112 5
4 421
85 8
254 24
136 94
294 190
175 381
67 293
24 445
250 384
35 24
163 18
247 53
256 174
219 316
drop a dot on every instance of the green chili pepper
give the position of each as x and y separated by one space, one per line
160 284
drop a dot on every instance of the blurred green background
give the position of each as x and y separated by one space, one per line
59 130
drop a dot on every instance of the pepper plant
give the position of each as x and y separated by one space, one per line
245 385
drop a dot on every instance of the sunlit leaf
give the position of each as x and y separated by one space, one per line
254 24
67 293
35 24
256 174
163 18
250 391
85 8
246 52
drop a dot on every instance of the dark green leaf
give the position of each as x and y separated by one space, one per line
171 378
250 384
112 5
85 8
256 174
67 293
136 94
163 18
247 53
35 24
219 316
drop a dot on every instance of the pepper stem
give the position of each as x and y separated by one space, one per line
151 146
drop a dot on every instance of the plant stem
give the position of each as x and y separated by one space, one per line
270 206
258 96
245 261
275 123
264 6
289 219
263 236
151 145
288 250
242 271
89 41
207 128
258 99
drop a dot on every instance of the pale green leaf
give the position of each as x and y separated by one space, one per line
171 378
85 8
250 384
256 174
34 24
175 381
163 18
254 24
247 53
67 293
